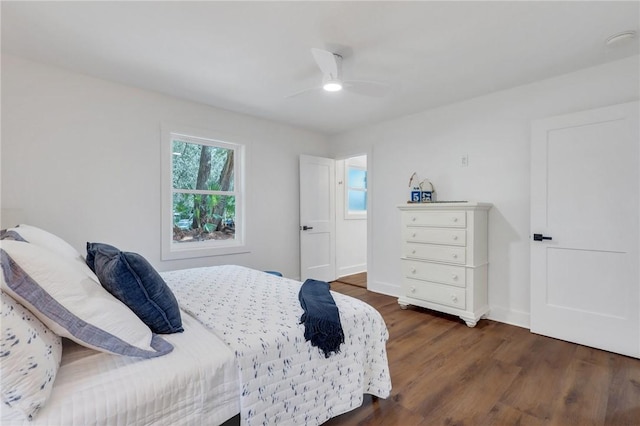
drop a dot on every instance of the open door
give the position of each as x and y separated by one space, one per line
317 218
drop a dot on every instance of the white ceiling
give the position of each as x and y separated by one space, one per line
247 56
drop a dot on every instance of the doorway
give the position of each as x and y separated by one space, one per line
351 219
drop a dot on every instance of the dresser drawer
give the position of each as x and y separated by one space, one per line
457 219
426 271
435 252
437 293
454 237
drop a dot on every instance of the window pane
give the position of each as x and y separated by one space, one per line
357 200
357 178
196 166
203 217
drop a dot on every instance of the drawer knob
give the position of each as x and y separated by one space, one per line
413 270
413 251
454 298
413 235
454 277
455 219
455 237
413 289
455 256
413 219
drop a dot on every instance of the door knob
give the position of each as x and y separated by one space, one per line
306 228
540 237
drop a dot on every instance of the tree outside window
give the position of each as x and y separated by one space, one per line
203 192
206 198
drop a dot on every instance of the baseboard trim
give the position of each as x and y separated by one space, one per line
384 288
351 270
511 317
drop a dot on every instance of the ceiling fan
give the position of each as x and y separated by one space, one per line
332 81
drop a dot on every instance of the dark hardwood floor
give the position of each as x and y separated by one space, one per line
356 279
444 373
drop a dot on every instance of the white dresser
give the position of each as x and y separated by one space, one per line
445 259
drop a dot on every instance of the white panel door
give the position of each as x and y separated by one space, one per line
585 195
317 218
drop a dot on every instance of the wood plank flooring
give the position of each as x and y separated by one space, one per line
356 279
444 373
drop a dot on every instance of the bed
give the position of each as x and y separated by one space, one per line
197 380
242 354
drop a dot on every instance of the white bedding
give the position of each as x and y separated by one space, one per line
284 379
195 384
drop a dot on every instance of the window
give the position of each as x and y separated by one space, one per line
202 196
356 194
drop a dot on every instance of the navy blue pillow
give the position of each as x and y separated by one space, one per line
131 279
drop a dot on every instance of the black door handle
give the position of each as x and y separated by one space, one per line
540 237
306 228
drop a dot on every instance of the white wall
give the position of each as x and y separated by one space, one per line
81 158
351 234
494 131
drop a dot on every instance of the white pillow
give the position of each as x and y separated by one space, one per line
41 238
72 304
30 354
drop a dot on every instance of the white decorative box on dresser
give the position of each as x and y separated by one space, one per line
445 259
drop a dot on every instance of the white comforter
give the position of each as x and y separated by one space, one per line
285 380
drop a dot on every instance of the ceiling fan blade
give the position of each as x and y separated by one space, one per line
327 62
376 89
303 91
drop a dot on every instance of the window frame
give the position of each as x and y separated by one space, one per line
355 214
171 250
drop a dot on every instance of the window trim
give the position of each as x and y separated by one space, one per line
354 214
238 245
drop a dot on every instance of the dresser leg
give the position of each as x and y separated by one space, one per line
470 323
403 307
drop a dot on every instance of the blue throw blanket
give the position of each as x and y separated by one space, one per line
320 318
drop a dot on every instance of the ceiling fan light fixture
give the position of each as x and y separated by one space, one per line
332 86
330 64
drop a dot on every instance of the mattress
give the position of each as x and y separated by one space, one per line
197 383
285 380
